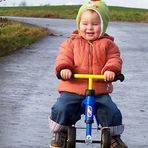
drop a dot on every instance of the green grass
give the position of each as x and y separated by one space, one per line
14 35
128 14
70 12
41 11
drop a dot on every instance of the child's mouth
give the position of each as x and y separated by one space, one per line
89 33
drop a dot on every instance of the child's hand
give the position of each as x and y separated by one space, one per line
109 75
66 74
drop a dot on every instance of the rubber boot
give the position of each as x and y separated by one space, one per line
58 140
116 142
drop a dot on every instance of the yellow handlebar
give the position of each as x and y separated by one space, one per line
90 78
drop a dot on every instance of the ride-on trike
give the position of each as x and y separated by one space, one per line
89 107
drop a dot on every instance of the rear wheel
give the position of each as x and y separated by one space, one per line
105 138
71 138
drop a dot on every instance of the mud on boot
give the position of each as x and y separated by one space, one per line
58 140
116 142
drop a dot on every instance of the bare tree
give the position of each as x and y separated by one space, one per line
23 3
2 0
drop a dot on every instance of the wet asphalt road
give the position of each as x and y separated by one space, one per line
28 86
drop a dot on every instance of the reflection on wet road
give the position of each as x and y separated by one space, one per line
28 86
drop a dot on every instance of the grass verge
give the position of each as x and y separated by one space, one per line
14 35
70 12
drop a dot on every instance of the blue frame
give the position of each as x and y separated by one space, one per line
89 105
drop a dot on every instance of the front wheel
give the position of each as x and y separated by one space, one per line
71 138
105 137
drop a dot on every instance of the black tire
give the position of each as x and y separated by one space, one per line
71 138
105 138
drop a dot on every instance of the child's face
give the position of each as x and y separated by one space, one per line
90 25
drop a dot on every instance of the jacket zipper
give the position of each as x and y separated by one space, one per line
90 57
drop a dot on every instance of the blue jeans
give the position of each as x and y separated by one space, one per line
67 110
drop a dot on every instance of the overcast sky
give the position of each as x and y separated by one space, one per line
126 3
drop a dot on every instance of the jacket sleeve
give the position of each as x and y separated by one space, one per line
64 59
113 59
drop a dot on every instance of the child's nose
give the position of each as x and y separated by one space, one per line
89 26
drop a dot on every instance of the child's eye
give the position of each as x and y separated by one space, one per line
84 23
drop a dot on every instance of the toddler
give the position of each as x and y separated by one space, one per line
89 50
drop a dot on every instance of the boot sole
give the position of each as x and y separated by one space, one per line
54 146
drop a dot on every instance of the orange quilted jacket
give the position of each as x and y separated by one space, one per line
81 56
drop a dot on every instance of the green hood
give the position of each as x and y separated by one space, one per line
101 8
